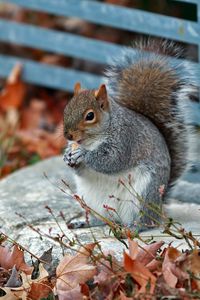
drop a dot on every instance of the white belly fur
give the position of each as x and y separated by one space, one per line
95 188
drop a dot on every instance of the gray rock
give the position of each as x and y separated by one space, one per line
28 191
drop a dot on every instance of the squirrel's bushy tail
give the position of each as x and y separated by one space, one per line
156 87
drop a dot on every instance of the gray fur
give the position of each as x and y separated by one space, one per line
134 136
157 87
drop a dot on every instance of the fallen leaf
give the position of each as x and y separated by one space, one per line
169 266
47 265
123 296
192 264
154 265
15 257
31 289
74 294
9 295
39 290
14 280
14 91
4 276
73 270
133 248
140 274
109 288
148 252
107 268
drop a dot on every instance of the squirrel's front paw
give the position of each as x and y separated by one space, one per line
73 158
67 155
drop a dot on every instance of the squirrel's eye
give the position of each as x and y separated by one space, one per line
89 116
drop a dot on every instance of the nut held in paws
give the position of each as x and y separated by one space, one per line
74 146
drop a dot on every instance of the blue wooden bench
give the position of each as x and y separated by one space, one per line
86 48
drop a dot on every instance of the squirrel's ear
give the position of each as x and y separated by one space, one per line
77 88
102 97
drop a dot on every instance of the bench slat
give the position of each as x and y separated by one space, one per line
193 117
189 1
119 17
47 75
64 43
57 42
64 79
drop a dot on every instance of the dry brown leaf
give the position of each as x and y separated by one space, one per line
133 248
140 274
154 265
14 279
14 91
74 294
29 287
73 270
123 297
14 257
9 295
144 254
148 252
192 264
106 270
169 266
39 290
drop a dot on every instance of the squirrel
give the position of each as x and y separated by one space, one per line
131 135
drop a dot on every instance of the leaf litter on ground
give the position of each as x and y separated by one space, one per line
91 274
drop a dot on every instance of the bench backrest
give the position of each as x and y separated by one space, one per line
86 48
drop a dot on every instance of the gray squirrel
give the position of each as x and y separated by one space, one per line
132 140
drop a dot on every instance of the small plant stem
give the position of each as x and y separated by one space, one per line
21 247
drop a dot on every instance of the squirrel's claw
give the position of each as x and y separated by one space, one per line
73 158
76 156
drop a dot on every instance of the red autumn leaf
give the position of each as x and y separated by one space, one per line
107 268
139 273
14 257
143 254
30 289
74 294
73 270
133 248
191 263
169 266
14 91
85 289
39 290
154 265
148 252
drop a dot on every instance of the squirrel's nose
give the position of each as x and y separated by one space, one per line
70 137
